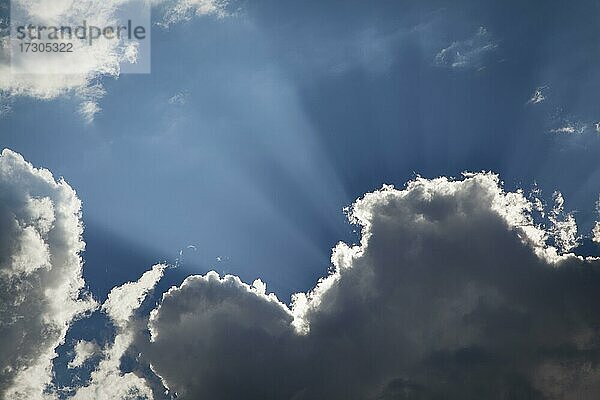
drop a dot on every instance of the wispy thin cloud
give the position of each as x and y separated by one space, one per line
570 128
538 95
179 98
468 53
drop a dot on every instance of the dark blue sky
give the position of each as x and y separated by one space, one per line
254 131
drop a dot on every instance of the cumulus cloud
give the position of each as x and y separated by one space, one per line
83 350
86 63
453 292
235 311
40 273
41 291
107 381
48 76
468 53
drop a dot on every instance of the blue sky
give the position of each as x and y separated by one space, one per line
253 131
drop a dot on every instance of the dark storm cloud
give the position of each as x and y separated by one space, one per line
453 293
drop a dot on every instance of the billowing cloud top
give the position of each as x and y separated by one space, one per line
453 292
40 273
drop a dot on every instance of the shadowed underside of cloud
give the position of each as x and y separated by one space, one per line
453 293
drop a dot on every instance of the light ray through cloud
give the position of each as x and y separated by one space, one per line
295 173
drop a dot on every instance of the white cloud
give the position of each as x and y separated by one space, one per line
123 300
468 53
564 227
538 95
596 228
107 381
83 350
87 65
40 273
570 129
41 290
179 98
596 232
174 11
452 292
88 110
